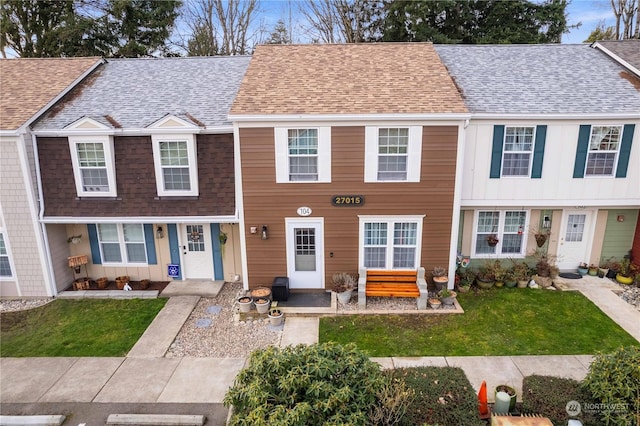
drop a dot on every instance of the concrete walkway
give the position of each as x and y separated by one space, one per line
145 376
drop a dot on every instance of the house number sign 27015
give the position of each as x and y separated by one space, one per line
347 200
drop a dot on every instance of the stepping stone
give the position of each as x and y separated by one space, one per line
214 309
203 323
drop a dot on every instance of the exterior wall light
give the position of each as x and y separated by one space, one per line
265 232
159 232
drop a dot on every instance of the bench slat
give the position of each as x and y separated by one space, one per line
390 273
391 280
392 294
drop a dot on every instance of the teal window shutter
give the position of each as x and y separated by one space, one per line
581 152
496 151
625 150
218 270
538 152
150 243
92 230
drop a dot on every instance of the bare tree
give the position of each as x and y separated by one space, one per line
221 27
342 21
625 12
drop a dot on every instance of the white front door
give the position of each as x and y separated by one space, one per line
305 248
575 239
197 252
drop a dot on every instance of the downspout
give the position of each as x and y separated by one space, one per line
52 290
457 197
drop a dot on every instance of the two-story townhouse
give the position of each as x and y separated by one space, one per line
553 145
346 158
138 162
28 88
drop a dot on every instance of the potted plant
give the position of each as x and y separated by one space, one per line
244 303
262 305
521 273
275 317
484 277
583 269
447 297
492 240
593 270
541 236
626 271
545 269
509 279
464 279
440 278
434 303
499 272
343 285
511 392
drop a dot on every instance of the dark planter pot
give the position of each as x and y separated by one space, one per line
484 284
611 273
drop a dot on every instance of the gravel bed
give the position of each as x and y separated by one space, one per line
12 305
229 335
631 295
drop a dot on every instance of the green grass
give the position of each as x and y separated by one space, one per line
77 328
495 322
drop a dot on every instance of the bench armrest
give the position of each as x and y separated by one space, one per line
422 287
362 288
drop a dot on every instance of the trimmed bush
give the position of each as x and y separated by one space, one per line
613 381
443 395
306 385
548 396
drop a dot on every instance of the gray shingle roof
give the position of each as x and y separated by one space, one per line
627 50
134 93
540 79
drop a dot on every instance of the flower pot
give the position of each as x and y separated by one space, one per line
499 284
122 281
583 271
81 284
593 272
484 283
435 303
275 317
345 296
440 282
261 293
463 288
262 305
102 282
450 300
510 284
144 284
540 239
624 280
523 283
245 303
509 391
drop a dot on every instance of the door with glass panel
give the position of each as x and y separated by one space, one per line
575 239
305 261
197 255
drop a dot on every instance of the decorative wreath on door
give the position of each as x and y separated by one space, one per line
194 236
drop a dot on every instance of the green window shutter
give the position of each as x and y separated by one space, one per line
496 152
92 230
581 152
625 150
538 152
149 239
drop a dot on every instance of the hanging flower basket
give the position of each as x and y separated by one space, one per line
541 239
492 240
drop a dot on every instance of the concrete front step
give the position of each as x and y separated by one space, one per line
45 420
155 419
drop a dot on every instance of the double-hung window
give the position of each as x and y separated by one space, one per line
393 154
175 165
604 144
122 243
518 151
500 233
303 154
5 263
390 242
93 165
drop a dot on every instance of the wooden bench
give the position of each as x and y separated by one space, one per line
392 284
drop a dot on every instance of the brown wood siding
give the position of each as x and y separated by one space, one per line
268 203
136 183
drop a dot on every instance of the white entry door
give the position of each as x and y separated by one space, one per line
197 254
305 248
575 239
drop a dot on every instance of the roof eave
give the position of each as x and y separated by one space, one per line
555 116
143 131
455 116
616 58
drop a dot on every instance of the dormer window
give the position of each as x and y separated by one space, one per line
93 165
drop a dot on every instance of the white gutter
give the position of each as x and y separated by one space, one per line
132 131
347 117
619 203
557 116
140 219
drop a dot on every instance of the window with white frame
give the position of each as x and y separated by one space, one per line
390 243
393 154
175 165
518 151
303 154
93 165
5 263
604 144
500 233
122 243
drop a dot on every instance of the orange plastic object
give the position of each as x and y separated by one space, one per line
482 400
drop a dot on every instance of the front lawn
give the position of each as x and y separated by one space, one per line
495 322
77 327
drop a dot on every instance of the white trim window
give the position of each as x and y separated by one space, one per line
5 261
604 145
303 154
393 154
93 163
517 153
506 226
176 167
390 242
122 243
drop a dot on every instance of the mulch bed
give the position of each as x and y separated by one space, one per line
135 285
